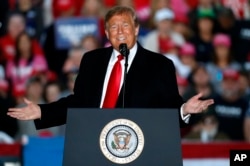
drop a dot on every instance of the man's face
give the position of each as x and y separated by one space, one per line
230 89
121 29
16 25
164 26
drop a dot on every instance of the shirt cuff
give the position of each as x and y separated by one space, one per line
185 118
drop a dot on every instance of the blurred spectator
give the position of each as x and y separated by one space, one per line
71 77
52 92
4 8
187 56
244 84
204 6
158 40
208 131
73 61
56 56
226 21
247 11
141 7
156 5
172 52
37 2
90 42
180 7
230 107
222 59
25 64
199 83
227 25
203 36
242 41
182 84
7 125
239 7
63 8
60 5
129 3
181 26
192 4
95 9
47 9
15 26
33 17
247 126
34 92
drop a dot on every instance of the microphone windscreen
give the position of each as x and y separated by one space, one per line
124 49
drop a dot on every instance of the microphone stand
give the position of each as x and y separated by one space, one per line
124 80
125 52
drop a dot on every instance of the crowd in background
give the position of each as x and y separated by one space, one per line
207 40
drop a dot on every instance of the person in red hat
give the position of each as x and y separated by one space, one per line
187 56
181 25
182 84
63 6
230 107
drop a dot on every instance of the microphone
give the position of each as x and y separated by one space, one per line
124 49
125 52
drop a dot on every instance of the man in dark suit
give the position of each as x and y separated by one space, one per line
150 82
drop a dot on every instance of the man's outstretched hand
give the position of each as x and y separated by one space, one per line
30 112
196 105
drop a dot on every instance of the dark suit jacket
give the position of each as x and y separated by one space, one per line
150 83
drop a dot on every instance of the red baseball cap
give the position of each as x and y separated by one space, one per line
4 85
64 5
231 74
181 18
181 81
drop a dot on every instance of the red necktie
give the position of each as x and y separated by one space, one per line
113 85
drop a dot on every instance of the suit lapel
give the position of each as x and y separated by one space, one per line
102 63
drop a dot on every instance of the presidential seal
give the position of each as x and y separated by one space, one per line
121 141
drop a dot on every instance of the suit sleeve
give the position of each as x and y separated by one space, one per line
55 113
176 100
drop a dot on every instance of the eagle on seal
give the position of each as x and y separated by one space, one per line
122 138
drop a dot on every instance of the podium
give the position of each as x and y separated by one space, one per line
131 137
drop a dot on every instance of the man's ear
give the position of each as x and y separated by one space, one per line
137 30
107 34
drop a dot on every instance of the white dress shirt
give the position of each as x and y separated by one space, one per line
112 61
131 56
